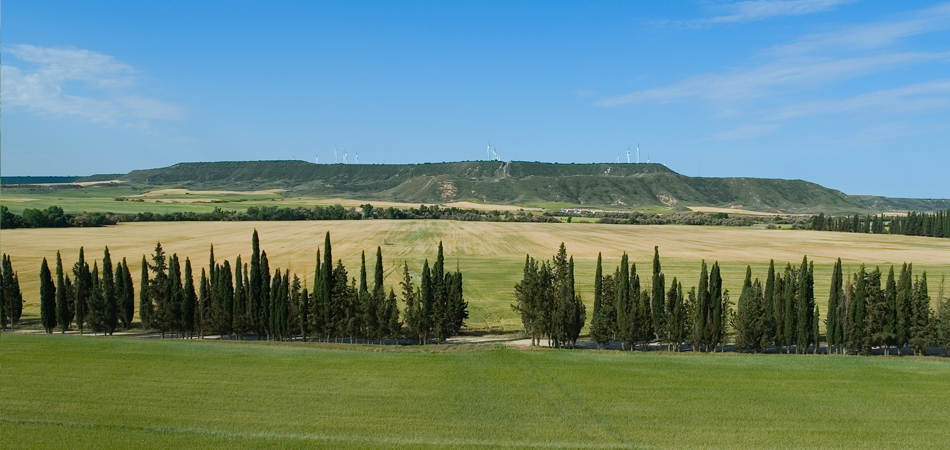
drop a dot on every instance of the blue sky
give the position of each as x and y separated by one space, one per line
853 95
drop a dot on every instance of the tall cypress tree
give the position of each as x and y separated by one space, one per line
265 297
319 312
189 301
441 316
328 279
254 288
805 307
904 306
718 324
126 295
239 321
658 297
411 300
626 307
600 322
789 300
145 299
576 311
856 336
13 297
833 327
83 287
175 295
159 293
701 317
746 318
890 314
97 305
920 331
426 300
63 300
225 293
304 311
380 308
393 325
120 290
773 304
4 307
47 298
111 318
204 304
673 326
366 312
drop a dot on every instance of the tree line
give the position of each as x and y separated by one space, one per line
550 307
245 299
913 224
779 313
55 217
625 310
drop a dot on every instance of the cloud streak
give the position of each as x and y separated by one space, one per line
819 65
873 35
48 87
748 11
932 96
768 79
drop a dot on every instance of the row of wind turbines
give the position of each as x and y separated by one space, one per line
492 156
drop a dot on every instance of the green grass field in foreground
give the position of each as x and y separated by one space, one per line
74 392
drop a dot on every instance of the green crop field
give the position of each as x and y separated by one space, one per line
74 392
490 255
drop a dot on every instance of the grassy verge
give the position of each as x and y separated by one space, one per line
69 392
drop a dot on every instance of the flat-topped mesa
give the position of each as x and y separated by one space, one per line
609 185
301 171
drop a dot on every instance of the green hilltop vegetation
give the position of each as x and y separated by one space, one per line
613 186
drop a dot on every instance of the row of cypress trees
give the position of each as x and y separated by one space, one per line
632 315
102 300
782 312
913 224
546 299
11 298
247 299
863 314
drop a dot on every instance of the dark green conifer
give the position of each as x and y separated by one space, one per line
600 322
83 288
254 289
659 295
111 313
47 298
63 298
189 301
833 323
145 299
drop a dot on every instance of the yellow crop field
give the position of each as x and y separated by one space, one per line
490 255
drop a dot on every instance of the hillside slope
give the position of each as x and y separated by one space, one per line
602 185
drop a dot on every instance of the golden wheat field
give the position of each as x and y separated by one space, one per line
490 255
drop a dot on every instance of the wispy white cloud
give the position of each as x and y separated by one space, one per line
932 96
747 11
47 87
883 132
772 78
873 35
767 93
